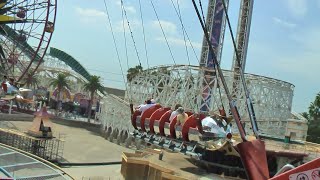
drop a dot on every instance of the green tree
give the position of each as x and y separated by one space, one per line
31 80
93 85
305 115
314 120
133 72
314 109
61 83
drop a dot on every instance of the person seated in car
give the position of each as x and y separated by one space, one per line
175 112
146 106
215 123
210 125
181 117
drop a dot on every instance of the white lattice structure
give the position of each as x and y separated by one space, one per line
115 115
182 84
52 67
272 98
115 112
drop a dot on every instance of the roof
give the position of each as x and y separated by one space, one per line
18 165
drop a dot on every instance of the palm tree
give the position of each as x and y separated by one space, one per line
314 119
93 85
305 115
133 72
61 83
314 109
31 80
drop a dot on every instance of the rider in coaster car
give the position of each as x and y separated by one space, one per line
175 112
181 117
143 107
215 123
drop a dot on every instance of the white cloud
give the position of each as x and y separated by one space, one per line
305 65
90 12
134 25
283 23
296 62
88 15
128 8
168 27
179 42
297 8
304 62
308 40
182 3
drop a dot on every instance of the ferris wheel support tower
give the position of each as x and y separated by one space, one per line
243 32
215 24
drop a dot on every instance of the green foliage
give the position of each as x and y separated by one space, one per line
314 109
305 115
93 85
60 82
313 117
133 72
313 133
31 80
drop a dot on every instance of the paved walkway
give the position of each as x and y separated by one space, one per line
111 172
85 146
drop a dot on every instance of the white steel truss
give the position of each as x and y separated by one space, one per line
243 32
209 24
272 98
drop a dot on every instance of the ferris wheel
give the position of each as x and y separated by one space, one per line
26 28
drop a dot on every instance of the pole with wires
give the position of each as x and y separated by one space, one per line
169 48
246 91
144 36
232 104
126 48
131 33
115 43
177 10
252 153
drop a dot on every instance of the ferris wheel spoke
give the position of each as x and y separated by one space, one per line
10 6
23 22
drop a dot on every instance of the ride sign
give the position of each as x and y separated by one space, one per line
313 174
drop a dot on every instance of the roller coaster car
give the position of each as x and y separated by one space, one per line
138 120
155 116
153 126
149 123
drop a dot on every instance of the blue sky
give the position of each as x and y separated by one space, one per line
284 39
